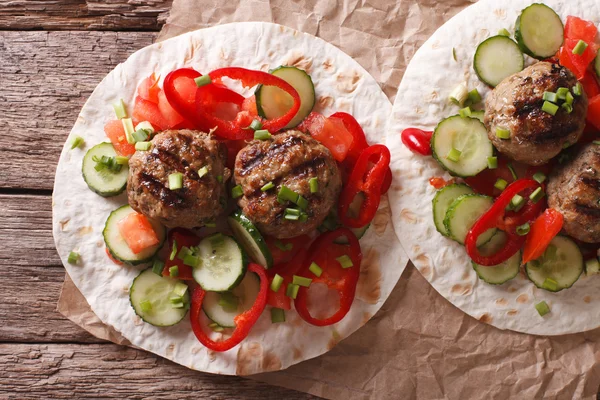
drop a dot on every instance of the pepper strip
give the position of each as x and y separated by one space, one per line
343 280
249 78
243 322
494 218
366 179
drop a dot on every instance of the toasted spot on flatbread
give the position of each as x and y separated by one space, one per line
369 282
170 350
137 321
431 97
327 65
366 317
486 318
224 56
463 290
347 82
212 355
501 301
297 353
335 339
126 289
397 188
99 243
64 223
85 230
426 272
196 350
408 216
466 275
500 13
512 312
512 289
382 217
422 260
523 298
67 203
587 299
264 67
435 45
252 358
299 60
325 101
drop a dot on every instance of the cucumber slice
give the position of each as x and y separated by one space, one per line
497 58
462 215
480 115
246 293
563 267
272 102
501 273
597 65
151 289
539 31
469 136
442 201
105 182
223 263
250 238
118 247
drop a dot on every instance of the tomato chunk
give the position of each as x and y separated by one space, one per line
116 133
332 133
593 115
249 105
137 232
579 29
183 238
148 89
172 117
578 64
145 110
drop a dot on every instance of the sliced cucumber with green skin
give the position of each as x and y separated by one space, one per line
104 182
501 273
497 58
480 115
250 238
222 263
467 135
272 102
246 293
597 65
564 267
150 288
462 215
442 201
539 31
117 246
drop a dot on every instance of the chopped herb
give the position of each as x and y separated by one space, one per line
255 125
550 284
454 53
580 48
345 261
276 283
191 260
202 80
175 181
302 203
143 146
141 135
578 89
73 257
158 267
500 184
549 108
267 186
314 184
465 112
287 194
128 127
492 162
120 110
459 95
539 177
537 195
202 171
220 178
512 172
524 229
502 133
315 269
277 315
174 271
562 93
474 96
454 155
262 134
283 247
77 142
542 308
173 251
122 160
237 191
292 290
504 32
517 202
551 97
301 281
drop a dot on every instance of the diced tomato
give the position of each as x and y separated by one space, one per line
484 182
331 132
186 88
244 118
579 29
286 270
137 232
590 85
172 117
183 238
543 230
439 183
249 105
116 133
280 255
144 110
593 115
148 89
112 258
578 64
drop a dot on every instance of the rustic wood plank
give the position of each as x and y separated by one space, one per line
78 371
46 78
83 15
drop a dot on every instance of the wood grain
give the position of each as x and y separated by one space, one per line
83 15
77 371
45 79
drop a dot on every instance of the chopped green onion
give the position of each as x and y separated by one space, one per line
315 269
255 125
174 271
277 315
73 257
158 267
175 299
276 283
262 134
215 327
596 142
301 281
291 217
500 184
228 301
146 306
236 192
202 80
542 308
345 261
143 146
287 194
220 178
120 110
512 172
77 142
122 160
569 99
180 289
517 202
580 48
550 284
551 97
539 177
302 203
128 127
550 252
141 135
145 125
210 224
175 180
567 107
267 186
474 96
549 108
524 229
592 266
283 247
303 218
566 145
454 155
202 171
314 184
492 162
562 93
454 53
502 133
173 251
465 112
191 260
537 195
459 95
293 211
184 251
292 290
578 89
504 32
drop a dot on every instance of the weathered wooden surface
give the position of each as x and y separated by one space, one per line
84 15
77 371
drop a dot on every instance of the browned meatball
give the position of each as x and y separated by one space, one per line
200 200
574 190
516 105
289 159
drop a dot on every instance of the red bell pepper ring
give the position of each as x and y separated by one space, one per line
344 280
243 322
543 230
286 270
183 238
368 179
249 78
417 140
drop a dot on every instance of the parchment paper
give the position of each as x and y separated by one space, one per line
418 345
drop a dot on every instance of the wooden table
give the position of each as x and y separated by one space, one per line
52 55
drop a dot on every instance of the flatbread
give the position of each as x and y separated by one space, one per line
79 214
422 102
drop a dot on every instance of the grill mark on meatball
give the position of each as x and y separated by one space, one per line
587 209
255 159
169 159
159 191
591 182
531 110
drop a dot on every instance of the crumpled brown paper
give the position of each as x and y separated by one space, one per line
418 345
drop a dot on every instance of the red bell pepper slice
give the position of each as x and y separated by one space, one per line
286 270
249 78
417 140
543 230
182 238
324 252
243 322
484 182
590 84
368 177
495 218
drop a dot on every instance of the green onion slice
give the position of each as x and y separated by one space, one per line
73 257
283 247
474 96
262 134
287 194
550 284
459 95
524 229
539 177
202 171
492 162
502 133
292 290
202 80
120 110
517 202
549 108
513 172
345 261
504 32
173 251
465 112
315 269
267 186
158 266
128 127
143 146
537 195
174 271
255 125
542 308
77 142
500 184
276 283
180 289
237 191
175 180
562 93
301 281
578 89
314 184
580 48
454 155
191 260
277 315
302 203
551 97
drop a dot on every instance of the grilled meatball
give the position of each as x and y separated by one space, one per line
289 159
516 105
201 200
574 190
